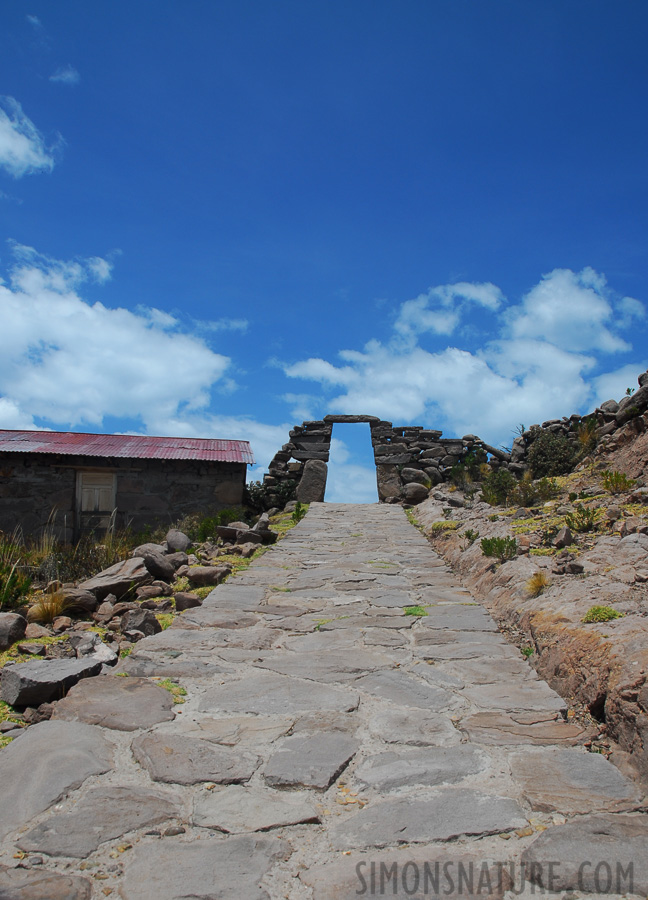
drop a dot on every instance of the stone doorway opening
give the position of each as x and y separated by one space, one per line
351 468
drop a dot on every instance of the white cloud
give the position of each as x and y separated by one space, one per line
573 310
440 309
35 21
225 325
65 75
613 385
535 364
349 483
22 147
74 363
302 406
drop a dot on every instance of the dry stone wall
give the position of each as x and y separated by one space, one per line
409 458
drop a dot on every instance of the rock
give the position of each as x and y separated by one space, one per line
248 549
610 406
79 600
79 832
399 687
158 565
267 693
572 781
142 620
90 646
237 810
415 493
249 537
177 541
564 538
184 600
33 884
36 631
396 726
178 759
203 576
31 683
211 867
414 476
148 592
598 855
431 766
120 579
502 729
104 612
388 481
42 714
312 485
310 761
444 816
124 704
32 649
79 751
141 550
12 629
61 623
177 559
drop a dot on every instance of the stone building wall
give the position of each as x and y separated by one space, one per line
149 491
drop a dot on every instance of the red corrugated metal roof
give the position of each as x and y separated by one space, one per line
132 446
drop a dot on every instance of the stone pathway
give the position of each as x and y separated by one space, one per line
330 747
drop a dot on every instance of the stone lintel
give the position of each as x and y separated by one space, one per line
340 420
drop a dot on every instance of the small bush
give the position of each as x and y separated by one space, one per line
587 437
442 527
616 482
550 454
529 492
502 548
299 512
601 614
526 652
14 581
537 583
471 535
260 496
581 520
498 486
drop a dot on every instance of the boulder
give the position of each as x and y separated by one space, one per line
564 538
140 620
415 493
177 559
202 576
388 481
184 600
90 646
312 485
158 565
414 476
32 683
143 549
119 579
12 629
177 541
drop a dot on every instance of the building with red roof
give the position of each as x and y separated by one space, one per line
92 481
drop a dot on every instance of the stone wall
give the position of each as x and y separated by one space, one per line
605 420
404 455
149 491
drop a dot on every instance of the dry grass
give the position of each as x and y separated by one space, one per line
48 607
537 584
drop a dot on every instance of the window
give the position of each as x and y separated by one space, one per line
95 499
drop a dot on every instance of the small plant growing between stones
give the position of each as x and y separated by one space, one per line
537 583
501 548
526 652
471 535
414 611
601 614
616 482
587 437
177 691
438 528
48 607
583 519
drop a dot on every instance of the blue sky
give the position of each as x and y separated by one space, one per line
221 218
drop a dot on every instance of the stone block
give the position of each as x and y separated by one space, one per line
33 683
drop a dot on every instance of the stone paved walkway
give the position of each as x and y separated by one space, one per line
330 747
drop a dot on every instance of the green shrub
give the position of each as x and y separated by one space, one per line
299 512
414 611
551 454
582 519
601 614
471 535
502 548
498 486
616 482
260 496
529 492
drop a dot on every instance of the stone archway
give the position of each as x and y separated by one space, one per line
409 459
